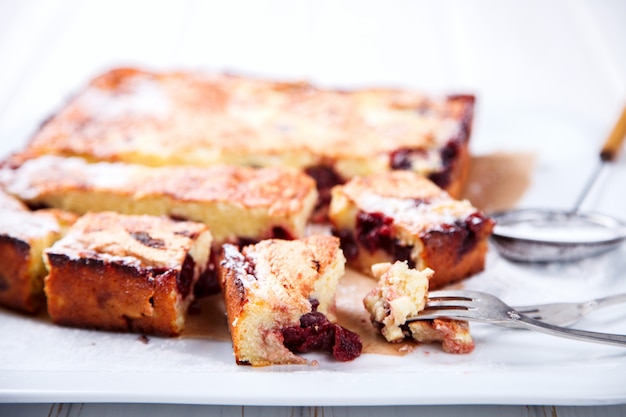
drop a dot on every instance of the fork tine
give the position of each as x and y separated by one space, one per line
450 299
447 300
460 314
454 294
457 304
449 303
459 295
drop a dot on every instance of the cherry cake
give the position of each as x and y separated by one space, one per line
279 298
24 235
128 273
401 215
200 118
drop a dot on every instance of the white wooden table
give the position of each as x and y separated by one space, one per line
568 57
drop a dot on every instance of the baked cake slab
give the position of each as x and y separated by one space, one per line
400 215
235 202
126 273
280 300
196 118
23 237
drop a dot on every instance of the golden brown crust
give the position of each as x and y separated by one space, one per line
15 277
459 173
270 285
279 190
454 263
395 184
126 273
204 119
425 223
233 201
147 241
23 237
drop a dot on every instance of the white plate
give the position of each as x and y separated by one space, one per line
40 362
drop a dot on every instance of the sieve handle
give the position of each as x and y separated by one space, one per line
613 143
609 152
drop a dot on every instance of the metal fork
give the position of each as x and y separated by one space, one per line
483 307
566 314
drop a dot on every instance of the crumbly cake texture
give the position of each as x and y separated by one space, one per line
234 202
400 215
126 273
280 300
23 237
195 118
401 293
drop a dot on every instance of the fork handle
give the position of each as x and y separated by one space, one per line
604 302
532 324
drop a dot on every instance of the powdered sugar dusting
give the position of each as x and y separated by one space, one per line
110 237
559 232
143 98
24 182
27 225
448 128
436 211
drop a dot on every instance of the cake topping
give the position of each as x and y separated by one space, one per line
139 97
408 199
179 113
418 215
279 189
8 202
134 240
26 225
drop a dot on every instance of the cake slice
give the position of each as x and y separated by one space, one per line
126 273
23 237
280 300
400 215
401 293
236 203
195 118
